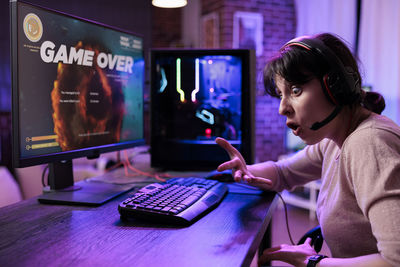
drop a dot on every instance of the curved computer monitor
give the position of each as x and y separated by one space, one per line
196 96
77 89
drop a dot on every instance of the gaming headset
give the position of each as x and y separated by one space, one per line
341 84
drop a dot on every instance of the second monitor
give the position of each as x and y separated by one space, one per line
196 96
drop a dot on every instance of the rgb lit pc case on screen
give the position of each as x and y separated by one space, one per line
77 89
196 96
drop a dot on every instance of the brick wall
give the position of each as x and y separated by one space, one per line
166 27
279 26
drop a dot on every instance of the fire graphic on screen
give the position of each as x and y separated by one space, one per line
88 105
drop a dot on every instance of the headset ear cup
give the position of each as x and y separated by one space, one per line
355 88
330 82
338 90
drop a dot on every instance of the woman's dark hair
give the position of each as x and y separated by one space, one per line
298 65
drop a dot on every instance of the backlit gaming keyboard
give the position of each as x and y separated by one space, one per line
178 201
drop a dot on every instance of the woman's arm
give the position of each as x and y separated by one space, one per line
299 169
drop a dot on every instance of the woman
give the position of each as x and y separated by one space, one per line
353 150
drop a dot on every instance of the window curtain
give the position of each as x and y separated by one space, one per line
379 51
334 16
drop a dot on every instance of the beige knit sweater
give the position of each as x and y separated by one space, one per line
359 201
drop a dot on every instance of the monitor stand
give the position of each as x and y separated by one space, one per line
63 190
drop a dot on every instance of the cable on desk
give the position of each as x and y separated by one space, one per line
284 205
126 163
43 174
126 170
286 217
157 176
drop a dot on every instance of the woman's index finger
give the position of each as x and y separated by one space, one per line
227 146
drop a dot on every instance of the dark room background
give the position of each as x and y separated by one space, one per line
163 28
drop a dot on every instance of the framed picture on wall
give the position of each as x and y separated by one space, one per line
248 31
210 31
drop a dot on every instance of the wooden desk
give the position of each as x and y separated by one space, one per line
33 234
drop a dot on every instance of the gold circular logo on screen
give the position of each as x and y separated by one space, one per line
33 27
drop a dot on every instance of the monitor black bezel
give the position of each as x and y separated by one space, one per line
90 152
248 105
